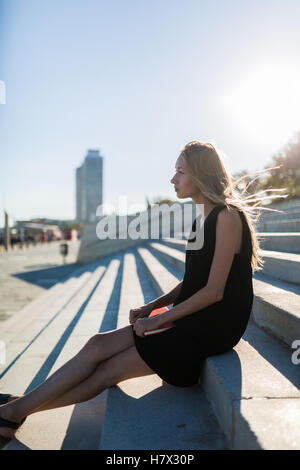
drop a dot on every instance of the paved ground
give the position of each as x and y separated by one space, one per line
26 272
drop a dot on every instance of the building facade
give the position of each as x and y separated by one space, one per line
89 187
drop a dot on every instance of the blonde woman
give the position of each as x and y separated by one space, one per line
210 307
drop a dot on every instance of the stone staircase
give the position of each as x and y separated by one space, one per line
248 398
287 220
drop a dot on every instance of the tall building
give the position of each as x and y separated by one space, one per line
89 187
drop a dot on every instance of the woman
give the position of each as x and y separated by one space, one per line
211 306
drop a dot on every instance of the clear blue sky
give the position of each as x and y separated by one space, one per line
138 79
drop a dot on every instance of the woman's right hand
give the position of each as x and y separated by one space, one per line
140 312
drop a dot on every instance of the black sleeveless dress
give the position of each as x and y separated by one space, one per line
177 354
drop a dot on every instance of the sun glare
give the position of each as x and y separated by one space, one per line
266 106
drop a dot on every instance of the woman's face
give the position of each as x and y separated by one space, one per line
183 184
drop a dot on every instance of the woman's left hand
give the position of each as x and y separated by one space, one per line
144 324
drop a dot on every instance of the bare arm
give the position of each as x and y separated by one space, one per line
201 299
161 301
226 240
166 299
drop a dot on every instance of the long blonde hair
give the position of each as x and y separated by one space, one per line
205 166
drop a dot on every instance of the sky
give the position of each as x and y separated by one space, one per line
138 79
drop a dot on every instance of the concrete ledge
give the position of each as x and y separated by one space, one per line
276 308
17 321
288 225
171 255
59 342
258 370
280 265
145 414
253 389
284 266
162 280
22 330
101 248
288 242
281 241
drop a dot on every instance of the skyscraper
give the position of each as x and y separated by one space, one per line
89 187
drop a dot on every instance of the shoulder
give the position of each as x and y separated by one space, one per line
229 217
226 243
229 225
224 221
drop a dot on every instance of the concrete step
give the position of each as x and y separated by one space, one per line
20 332
284 215
254 390
93 307
288 242
110 291
287 219
22 318
281 241
100 248
146 413
280 225
276 306
250 395
283 266
172 255
243 410
177 243
161 277
280 265
40 300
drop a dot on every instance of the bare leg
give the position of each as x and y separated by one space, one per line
99 348
122 366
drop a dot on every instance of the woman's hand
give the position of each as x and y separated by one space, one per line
141 312
144 324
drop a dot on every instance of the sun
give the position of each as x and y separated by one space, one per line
266 106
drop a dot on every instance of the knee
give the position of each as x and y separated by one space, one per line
93 345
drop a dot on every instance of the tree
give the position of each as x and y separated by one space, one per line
282 173
287 175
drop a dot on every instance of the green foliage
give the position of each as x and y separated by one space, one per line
282 172
288 174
